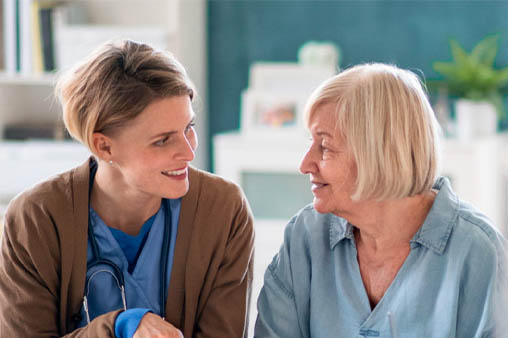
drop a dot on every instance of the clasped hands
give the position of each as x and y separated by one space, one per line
153 326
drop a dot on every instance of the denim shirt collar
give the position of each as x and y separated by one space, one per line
437 227
339 229
433 234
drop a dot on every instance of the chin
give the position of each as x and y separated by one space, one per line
175 192
320 207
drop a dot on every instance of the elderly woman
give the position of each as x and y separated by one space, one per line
134 242
386 249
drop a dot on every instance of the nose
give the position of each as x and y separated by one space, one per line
188 145
308 163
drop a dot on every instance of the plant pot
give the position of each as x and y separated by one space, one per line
475 119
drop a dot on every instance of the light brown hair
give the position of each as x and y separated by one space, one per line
115 84
389 127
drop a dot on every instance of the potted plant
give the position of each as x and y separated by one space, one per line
473 79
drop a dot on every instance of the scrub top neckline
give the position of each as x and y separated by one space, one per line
123 263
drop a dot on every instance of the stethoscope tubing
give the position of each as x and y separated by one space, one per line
117 272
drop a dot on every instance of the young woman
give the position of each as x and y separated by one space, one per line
134 242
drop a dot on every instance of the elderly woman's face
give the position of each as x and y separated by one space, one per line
328 162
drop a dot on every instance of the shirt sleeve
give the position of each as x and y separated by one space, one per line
225 313
128 321
483 303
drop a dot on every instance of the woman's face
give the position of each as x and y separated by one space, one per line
153 151
330 165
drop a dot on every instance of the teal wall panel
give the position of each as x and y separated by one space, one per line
411 34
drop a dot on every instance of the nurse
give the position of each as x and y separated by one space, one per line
134 242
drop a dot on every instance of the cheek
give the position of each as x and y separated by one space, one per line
332 169
142 162
338 173
353 172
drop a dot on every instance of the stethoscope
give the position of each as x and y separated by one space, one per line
116 271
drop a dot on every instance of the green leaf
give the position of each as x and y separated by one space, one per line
485 51
472 75
446 69
459 54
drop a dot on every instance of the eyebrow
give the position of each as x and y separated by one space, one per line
169 133
166 133
324 133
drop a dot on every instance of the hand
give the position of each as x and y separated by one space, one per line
153 326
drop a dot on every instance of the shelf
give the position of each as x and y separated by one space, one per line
28 162
45 79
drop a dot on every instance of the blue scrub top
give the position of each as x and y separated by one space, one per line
142 285
132 245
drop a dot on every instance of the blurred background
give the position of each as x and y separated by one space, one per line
254 64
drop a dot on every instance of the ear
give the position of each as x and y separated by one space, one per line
102 146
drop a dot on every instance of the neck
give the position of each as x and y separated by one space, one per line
117 204
390 224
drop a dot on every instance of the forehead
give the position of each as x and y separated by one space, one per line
172 111
323 119
169 105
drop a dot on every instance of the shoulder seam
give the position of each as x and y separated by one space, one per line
479 225
280 284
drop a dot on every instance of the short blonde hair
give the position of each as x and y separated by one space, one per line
114 84
389 127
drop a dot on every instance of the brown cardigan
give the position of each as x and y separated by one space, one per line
43 261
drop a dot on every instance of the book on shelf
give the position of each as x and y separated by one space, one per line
9 35
1 35
36 37
27 34
47 43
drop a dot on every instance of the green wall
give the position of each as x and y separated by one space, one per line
411 34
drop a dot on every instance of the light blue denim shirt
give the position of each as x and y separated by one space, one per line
448 285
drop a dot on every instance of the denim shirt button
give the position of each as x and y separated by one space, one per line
368 333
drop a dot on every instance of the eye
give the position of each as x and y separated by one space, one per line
190 126
162 141
326 152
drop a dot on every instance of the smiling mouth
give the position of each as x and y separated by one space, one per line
174 173
317 185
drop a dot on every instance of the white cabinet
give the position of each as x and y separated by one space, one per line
26 163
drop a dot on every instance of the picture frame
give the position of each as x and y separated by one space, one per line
267 113
272 76
274 102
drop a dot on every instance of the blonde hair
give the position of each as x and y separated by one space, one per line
389 128
114 85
